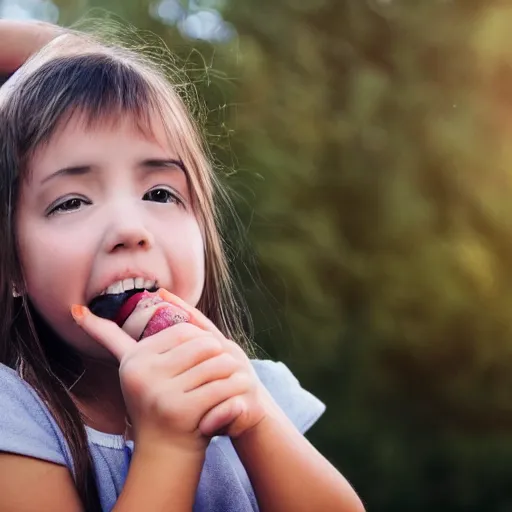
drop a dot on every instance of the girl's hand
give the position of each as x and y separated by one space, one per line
21 39
184 383
243 411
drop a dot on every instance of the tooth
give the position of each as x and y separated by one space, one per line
148 284
115 288
128 284
139 283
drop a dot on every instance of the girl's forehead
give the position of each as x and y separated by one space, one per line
82 139
78 127
139 125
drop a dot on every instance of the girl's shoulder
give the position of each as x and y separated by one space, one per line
26 425
301 407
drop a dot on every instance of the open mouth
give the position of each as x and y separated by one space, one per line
118 306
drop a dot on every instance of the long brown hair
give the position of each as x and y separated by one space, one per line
76 74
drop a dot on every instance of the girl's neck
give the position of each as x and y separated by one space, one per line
99 398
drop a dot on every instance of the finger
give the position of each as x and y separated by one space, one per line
196 317
177 361
213 393
170 338
207 367
218 419
106 333
136 323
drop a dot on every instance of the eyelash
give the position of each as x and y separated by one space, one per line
171 195
60 208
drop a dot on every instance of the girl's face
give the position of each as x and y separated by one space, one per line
100 205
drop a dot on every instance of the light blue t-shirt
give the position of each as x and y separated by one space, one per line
28 428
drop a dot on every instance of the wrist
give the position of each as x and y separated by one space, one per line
267 413
251 438
188 451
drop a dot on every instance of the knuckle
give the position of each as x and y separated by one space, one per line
237 383
227 361
184 330
209 346
241 381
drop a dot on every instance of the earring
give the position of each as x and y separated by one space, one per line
15 292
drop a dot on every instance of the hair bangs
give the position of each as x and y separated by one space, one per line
97 87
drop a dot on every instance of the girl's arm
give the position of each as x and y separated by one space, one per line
288 473
20 39
30 485
159 480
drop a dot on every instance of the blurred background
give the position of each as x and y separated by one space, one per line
367 146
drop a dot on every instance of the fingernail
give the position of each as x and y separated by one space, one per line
78 312
172 299
165 295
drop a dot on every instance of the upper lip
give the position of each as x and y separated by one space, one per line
127 274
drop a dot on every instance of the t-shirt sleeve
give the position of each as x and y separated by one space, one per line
301 407
26 425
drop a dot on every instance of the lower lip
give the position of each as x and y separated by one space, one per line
128 307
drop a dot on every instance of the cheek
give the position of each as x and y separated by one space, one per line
50 263
52 271
187 262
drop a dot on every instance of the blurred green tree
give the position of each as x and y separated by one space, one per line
379 130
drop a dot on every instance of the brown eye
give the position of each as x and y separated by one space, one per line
161 195
69 205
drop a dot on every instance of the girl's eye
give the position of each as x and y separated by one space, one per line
161 195
70 205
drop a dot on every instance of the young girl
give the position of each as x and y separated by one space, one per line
104 184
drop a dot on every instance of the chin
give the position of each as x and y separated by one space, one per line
85 346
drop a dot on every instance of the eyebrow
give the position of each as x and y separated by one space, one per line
148 165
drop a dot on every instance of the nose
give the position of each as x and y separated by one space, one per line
128 234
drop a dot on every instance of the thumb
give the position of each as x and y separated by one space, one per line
106 333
